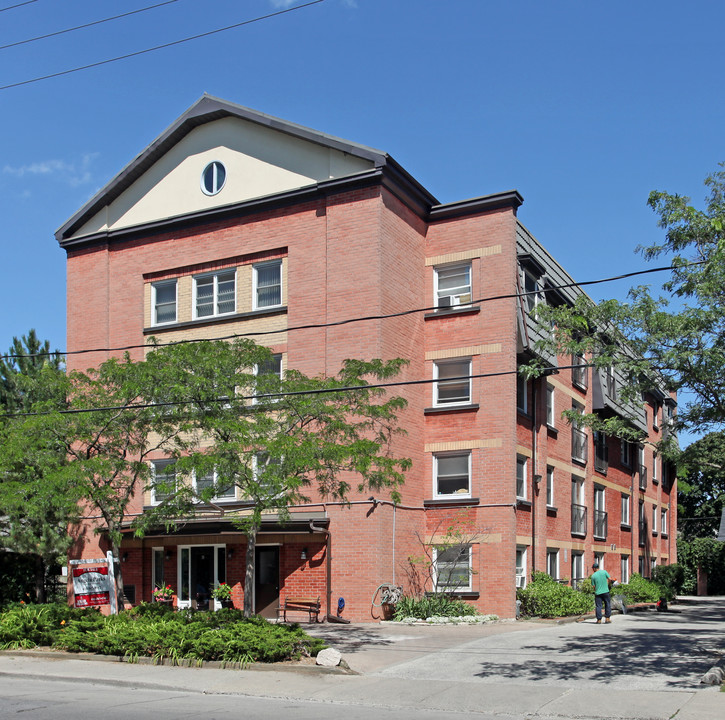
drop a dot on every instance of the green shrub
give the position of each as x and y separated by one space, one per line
545 597
639 589
670 577
27 626
430 606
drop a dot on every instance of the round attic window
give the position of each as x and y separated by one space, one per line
213 177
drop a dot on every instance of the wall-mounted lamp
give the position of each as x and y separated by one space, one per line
537 478
230 552
303 554
124 557
168 555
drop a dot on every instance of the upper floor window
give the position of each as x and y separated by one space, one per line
579 371
626 453
215 294
163 481
163 302
269 373
222 491
268 284
452 474
624 516
549 486
453 382
663 521
453 285
550 412
213 178
522 394
532 288
521 467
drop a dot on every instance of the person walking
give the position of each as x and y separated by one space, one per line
601 580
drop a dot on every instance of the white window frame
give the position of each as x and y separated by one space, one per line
522 394
625 517
521 566
655 477
276 357
154 470
255 286
654 519
626 453
577 568
215 480
663 521
552 554
158 555
215 293
549 486
460 296
437 402
624 569
436 476
437 571
213 168
531 283
522 476
550 408
154 303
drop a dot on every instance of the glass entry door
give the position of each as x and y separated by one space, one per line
201 569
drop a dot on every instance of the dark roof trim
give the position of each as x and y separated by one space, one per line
206 109
510 199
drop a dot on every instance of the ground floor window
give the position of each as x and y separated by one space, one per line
521 566
452 568
157 568
201 569
577 568
624 569
552 563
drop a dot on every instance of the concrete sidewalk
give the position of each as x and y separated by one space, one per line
433 668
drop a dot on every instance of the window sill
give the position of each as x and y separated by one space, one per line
552 509
463 594
578 534
579 461
443 501
654 533
471 309
235 317
625 526
579 386
664 536
469 407
523 503
551 429
523 413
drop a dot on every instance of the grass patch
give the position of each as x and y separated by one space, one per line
156 631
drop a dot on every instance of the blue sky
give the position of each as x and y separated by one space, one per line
582 107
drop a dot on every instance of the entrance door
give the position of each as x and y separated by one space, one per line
266 581
201 569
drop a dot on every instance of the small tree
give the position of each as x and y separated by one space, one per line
275 439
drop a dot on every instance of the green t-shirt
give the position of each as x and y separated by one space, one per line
600 579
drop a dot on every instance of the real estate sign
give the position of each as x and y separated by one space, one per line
94 582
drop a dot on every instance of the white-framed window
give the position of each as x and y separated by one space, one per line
163 480
599 559
550 410
625 516
577 568
452 566
453 285
578 507
600 512
654 519
579 371
652 566
641 565
549 486
264 469
452 474
273 366
655 463
163 302
215 294
157 567
532 288
520 566
626 452
267 289
521 476
624 568
552 563
453 382
211 480
522 394
663 521
213 178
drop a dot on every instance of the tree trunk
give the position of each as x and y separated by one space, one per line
249 571
39 580
115 549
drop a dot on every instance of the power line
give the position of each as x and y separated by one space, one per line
348 321
86 25
161 47
12 7
291 393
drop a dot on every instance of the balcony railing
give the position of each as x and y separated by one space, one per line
579 446
578 519
642 532
642 477
600 524
601 460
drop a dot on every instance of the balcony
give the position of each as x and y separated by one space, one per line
579 446
642 477
578 519
600 524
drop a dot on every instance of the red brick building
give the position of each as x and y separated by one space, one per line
232 222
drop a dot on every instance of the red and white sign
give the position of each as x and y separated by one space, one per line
91 585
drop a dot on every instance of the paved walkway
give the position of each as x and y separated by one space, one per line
649 667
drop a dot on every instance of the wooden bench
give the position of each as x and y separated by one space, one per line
294 603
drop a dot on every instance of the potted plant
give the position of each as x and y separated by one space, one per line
223 593
164 594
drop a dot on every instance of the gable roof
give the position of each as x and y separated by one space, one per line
208 109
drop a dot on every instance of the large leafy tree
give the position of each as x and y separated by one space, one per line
35 506
276 439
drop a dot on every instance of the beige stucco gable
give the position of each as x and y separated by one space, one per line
259 161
